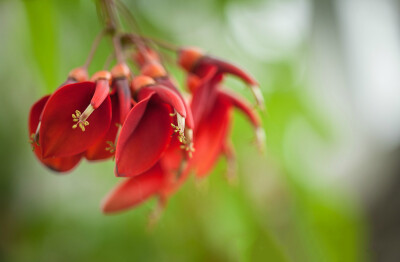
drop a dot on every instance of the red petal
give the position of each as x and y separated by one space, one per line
168 82
56 135
226 67
101 93
133 191
204 96
59 164
209 137
166 95
124 98
98 150
144 137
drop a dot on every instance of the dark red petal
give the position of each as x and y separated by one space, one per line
144 137
204 96
124 98
133 191
166 95
98 151
59 164
57 137
226 67
209 137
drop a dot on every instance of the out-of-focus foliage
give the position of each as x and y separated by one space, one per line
280 210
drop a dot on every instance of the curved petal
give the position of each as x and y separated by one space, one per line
249 112
144 137
101 92
133 191
210 136
166 95
104 148
57 137
59 164
204 95
226 67
168 82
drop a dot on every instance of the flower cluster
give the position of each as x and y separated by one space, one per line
136 114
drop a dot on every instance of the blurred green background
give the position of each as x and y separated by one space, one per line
305 199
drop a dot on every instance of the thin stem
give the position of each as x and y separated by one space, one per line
94 47
148 40
108 13
128 15
118 49
140 41
160 43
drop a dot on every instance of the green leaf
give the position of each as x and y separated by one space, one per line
44 39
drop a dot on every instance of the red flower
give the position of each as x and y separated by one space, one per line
154 69
148 128
194 61
59 164
212 108
212 133
62 136
161 178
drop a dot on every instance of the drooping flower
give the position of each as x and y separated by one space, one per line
148 128
60 134
59 164
197 63
164 174
212 106
212 133
151 66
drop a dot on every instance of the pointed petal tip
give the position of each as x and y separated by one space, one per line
105 208
256 90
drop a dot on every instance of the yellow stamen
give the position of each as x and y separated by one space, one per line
81 118
187 142
33 142
111 147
